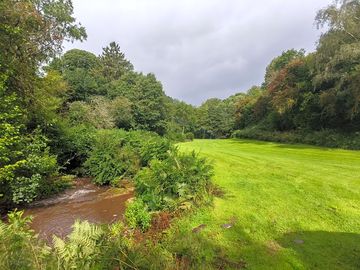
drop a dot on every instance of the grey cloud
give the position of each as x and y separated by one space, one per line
204 48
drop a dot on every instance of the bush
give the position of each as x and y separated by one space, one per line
117 154
110 159
25 189
179 180
20 181
148 145
326 138
137 215
189 136
76 144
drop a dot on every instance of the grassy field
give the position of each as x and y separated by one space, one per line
287 206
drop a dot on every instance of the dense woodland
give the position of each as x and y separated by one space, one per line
76 113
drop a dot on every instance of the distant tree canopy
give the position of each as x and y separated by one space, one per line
128 99
113 62
315 91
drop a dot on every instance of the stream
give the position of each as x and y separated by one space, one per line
85 201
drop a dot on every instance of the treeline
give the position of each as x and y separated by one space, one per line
305 98
105 92
312 98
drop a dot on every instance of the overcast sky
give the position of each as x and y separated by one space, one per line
200 48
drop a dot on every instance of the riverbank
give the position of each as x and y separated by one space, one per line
85 201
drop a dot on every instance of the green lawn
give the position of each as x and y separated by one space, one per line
295 206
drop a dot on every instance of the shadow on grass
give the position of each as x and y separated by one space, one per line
324 250
303 146
195 250
249 141
284 145
318 250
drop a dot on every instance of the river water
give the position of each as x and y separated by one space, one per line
85 202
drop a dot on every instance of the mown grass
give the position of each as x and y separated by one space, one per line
291 207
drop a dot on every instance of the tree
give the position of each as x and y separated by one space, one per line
147 99
121 111
216 118
32 32
246 105
50 93
148 104
337 64
279 63
113 62
97 113
78 67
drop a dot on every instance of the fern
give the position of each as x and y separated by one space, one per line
83 247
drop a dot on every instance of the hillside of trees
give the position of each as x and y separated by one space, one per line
77 113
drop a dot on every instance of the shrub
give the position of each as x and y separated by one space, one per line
326 138
25 189
148 145
20 181
76 144
189 136
109 160
117 154
180 179
137 215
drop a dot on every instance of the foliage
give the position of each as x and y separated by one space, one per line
72 144
83 248
109 159
137 215
20 176
11 141
19 248
113 62
97 113
216 119
189 136
280 62
124 98
88 246
117 154
32 33
121 111
77 68
48 98
308 93
177 181
327 138
54 185
180 119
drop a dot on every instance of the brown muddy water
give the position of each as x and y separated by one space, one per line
85 201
